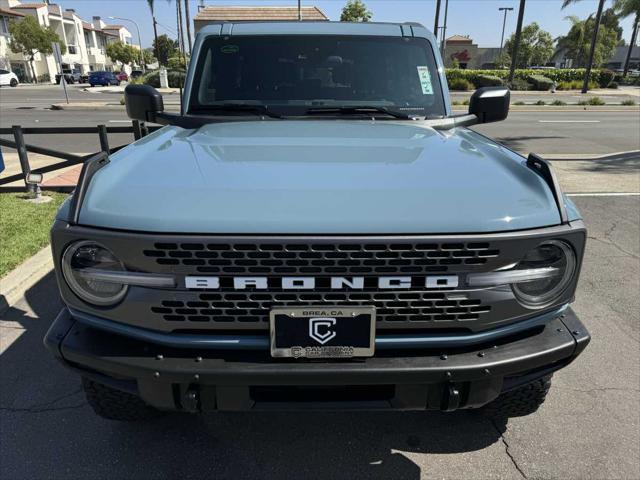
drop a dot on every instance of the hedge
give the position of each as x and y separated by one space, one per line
488 81
602 77
175 77
540 82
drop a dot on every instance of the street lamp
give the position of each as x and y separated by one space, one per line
139 39
504 23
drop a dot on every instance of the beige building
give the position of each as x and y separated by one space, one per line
467 54
86 42
208 15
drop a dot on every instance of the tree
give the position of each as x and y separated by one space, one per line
536 46
165 48
148 57
29 39
155 26
502 60
626 8
122 53
177 62
577 42
355 11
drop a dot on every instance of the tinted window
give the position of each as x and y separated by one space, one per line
290 73
4 72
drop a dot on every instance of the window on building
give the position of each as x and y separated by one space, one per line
4 26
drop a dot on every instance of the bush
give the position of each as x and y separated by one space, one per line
519 102
176 78
540 102
628 103
614 85
558 103
520 84
592 101
557 74
606 77
575 85
460 84
540 82
466 102
44 78
487 81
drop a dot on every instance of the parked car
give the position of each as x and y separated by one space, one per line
70 76
122 76
8 78
136 74
103 78
317 228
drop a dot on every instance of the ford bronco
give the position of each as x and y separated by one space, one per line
316 228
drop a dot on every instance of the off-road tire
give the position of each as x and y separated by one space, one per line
519 402
13 82
116 405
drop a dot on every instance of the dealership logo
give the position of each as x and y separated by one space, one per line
320 329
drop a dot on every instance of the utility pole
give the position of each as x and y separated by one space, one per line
188 20
516 42
634 36
435 25
504 24
179 21
594 39
444 29
299 11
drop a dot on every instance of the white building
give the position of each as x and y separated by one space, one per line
86 42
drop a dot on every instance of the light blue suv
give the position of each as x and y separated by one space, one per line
316 228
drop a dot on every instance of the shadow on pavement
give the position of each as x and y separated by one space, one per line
522 143
48 430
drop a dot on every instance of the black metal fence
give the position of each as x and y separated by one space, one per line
137 129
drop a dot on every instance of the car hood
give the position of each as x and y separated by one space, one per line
317 177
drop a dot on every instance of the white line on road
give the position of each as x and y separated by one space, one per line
610 194
569 121
119 121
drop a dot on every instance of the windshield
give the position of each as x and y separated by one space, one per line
290 74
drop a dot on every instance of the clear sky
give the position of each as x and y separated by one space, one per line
478 18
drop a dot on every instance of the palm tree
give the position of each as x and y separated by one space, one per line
574 38
592 51
625 8
188 22
155 28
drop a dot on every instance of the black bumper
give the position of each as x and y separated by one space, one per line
183 379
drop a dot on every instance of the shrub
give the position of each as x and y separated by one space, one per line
519 102
520 84
122 100
44 78
614 85
460 84
557 75
592 101
176 78
540 82
540 102
628 103
487 81
575 85
466 102
558 103
606 77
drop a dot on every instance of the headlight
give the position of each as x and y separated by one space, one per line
551 254
80 260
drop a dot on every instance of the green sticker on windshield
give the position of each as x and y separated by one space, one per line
425 80
230 49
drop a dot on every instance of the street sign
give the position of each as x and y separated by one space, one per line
57 54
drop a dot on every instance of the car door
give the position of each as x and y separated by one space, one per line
5 77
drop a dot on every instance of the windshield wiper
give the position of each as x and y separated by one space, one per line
240 107
358 110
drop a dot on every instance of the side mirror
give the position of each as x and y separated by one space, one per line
490 104
143 102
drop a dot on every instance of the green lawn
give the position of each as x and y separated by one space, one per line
24 227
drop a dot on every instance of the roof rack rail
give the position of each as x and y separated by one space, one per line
545 170
89 169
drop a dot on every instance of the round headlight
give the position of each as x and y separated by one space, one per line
543 292
83 257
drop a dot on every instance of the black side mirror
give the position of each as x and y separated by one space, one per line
490 104
143 102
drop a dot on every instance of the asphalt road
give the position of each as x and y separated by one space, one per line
547 132
588 428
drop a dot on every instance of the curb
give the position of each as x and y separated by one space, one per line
86 106
14 285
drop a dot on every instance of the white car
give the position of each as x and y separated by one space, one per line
8 78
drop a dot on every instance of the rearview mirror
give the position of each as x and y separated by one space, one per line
490 104
143 102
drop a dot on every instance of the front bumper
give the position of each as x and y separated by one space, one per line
446 378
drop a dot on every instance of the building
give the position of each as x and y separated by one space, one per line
86 41
208 15
461 48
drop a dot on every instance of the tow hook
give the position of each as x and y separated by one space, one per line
190 401
451 398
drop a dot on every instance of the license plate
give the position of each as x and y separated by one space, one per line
323 332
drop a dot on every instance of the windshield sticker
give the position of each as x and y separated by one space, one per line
230 49
425 80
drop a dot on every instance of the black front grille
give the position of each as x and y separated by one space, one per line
391 307
325 258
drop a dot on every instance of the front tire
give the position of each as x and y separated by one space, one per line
114 404
13 82
519 402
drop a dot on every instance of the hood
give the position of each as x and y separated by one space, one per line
317 177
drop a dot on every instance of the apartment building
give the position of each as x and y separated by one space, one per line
86 41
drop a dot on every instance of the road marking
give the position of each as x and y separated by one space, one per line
568 121
119 121
611 194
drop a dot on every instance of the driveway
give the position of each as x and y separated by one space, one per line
587 429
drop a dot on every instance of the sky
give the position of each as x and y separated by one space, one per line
480 19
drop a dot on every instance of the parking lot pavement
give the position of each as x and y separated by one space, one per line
587 429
